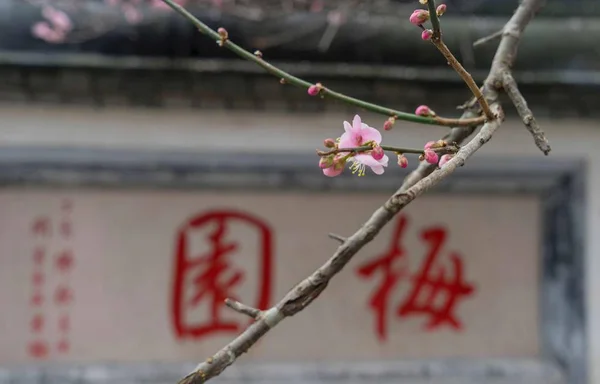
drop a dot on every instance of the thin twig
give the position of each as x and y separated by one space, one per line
324 91
306 291
243 308
436 39
337 237
511 88
487 39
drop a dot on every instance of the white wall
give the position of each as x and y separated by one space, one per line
275 132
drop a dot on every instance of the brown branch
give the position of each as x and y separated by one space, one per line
420 181
512 90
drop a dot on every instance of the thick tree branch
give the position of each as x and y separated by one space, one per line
415 185
512 90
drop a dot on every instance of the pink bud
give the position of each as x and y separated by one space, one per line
426 34
314 90
402 161
419 16
423 110
431 157
377 153
444 159
329 143
430 144
326 162
441 9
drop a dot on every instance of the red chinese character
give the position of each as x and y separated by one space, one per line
37 323
38 349
391 276
41 226
37 278
213 275
63 295
64 323
63 346
64 261
66 229
430 283
38 255
37 299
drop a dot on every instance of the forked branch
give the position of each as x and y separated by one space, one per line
423 179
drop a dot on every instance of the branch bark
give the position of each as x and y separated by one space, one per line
417 183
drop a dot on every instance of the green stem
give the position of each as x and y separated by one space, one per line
435 21
398 115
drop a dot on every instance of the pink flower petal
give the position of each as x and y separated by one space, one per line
370 134
347 140
378 170
347 127
368 160
357 123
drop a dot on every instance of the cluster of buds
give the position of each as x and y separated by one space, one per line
421 16
429 155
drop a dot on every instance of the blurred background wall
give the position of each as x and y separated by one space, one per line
132 146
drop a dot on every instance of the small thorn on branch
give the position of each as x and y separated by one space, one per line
337 237
487 39
512 90
243 308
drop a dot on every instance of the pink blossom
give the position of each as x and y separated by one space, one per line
377 153
423 110
359 134
419 16
426 34
431 157
402 161
444 159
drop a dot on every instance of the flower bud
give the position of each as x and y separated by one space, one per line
423 110
430 144
389 123
377 153
314 90
402 161
419 16
430 156
426 34
329 143
326 162
441 9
